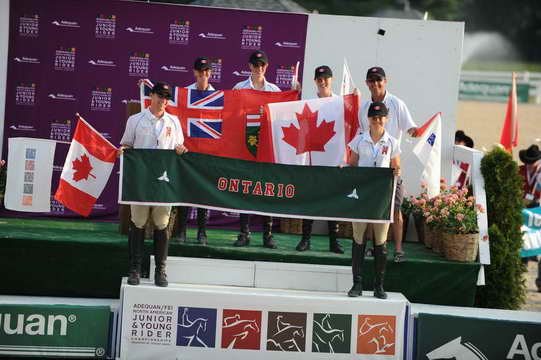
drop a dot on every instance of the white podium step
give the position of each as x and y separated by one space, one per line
258 274
188 321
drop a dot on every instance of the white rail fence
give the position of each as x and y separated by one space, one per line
526 77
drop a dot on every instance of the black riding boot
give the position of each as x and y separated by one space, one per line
357 260
136 241
243 238
202 218
268 240
304 244
380 260
182 213
334 245
161 247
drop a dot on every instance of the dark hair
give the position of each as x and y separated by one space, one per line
460 136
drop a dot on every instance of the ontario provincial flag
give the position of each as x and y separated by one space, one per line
309 132
428 151
86 171
222 123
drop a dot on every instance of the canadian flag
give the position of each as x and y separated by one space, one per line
309 132
88 166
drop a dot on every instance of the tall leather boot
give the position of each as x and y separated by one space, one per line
182 214
380 261
334 245
136 241
243 239
357 260
304 244
202 218
161 247
268 240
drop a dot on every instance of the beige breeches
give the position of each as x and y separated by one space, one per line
380 232
160 215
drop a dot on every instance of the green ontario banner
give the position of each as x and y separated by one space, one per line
161 177
56 331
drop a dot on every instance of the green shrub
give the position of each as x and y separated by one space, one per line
505 285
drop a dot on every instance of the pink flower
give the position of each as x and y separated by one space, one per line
422 202
426 214
437 203
471 198
442 181
445 212
429 219
469 204
459 216
424 185
480 208
454 188
443 187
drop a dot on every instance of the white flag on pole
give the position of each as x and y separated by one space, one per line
29 173
428 151
347 81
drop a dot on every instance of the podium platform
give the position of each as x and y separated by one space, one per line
190 321
258 274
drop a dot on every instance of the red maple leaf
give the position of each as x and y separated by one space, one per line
82 168
309 137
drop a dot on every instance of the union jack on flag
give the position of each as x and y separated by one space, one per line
202 99
205 128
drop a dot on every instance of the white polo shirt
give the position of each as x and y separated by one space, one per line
399 118
194 87
248 84
377 154
332 95
145 131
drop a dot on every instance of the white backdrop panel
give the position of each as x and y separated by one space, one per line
422 61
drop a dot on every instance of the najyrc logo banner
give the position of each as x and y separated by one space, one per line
161 177
54 330
455 337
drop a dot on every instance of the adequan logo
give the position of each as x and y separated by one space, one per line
65 23
174 68
35 324
287 44
457 350
25 59
242 73
59 96
140 30
100 62
210 35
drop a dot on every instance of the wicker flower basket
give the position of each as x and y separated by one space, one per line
437 240
461 247
420 226
291 226
345 230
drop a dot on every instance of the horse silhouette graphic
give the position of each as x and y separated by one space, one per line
241 328
377 334
286 336
324 335
192 330
454 349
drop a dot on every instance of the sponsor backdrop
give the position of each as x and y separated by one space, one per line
196 322
455 337
54 330
87 57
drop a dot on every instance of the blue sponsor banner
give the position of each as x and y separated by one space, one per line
531 232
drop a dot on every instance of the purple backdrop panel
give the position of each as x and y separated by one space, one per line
70 56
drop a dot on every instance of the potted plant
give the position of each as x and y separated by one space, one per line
458 222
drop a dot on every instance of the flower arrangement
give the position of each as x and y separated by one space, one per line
452 211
